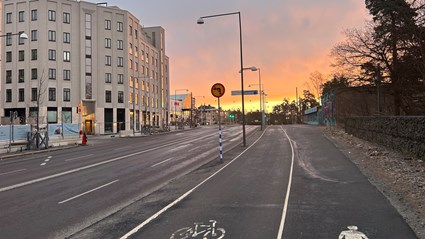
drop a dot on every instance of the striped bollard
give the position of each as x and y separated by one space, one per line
220 143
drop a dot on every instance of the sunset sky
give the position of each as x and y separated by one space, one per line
287 39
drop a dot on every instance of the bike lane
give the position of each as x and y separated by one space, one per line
331 198
244 200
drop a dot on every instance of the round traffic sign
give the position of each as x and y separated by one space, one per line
217 90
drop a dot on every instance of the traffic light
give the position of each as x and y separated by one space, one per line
231 116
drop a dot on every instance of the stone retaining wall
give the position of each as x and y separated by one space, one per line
406 134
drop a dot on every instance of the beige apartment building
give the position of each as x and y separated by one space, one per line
85 63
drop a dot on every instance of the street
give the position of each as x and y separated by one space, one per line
289 182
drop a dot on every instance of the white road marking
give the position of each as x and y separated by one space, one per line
15 171
47 160
89 166
193 149
352 233
237 138
162 162
134 230
179 133
121 148
85 156
49 157
40 165
288 191
82 194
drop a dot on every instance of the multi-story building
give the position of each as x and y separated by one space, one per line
84 63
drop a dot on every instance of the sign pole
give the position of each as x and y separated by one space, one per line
219 132
217 90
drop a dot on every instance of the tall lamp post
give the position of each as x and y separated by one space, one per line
175 100
201 21
253 68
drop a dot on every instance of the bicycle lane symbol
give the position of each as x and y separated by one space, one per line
352 233
200 230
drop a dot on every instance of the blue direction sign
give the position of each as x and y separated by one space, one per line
245 92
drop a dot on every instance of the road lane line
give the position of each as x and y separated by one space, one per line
162 162
90 166
15 171
40 165
82 194
85 156
153 217
193 149
288 191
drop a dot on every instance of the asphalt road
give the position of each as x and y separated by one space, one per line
290 182
56 194
285 185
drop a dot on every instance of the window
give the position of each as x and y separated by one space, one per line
21 75
108 43
8 39
9 56
34 94
52 35
34 74
108 77
34 35
136 51
67 75
66 37
119 26
131 64
120 45
120 62
21 16
52 74
66 56
9 95
131 31
135 33
107 24
51 15
108 60
34 15
120 96
21 41
8 17
21 95
33 54
8 76
120 79
52 55
66 94
108 96
66 17
52 94
21 55
130 49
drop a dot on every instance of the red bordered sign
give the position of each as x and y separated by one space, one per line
217 90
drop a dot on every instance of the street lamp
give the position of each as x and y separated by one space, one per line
22 35
253 68
201 21
175 99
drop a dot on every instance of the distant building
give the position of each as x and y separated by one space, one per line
95 56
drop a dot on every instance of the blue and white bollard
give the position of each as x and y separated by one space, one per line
220 143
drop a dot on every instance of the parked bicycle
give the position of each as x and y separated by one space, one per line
200 230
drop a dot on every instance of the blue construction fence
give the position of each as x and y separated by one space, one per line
20 132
